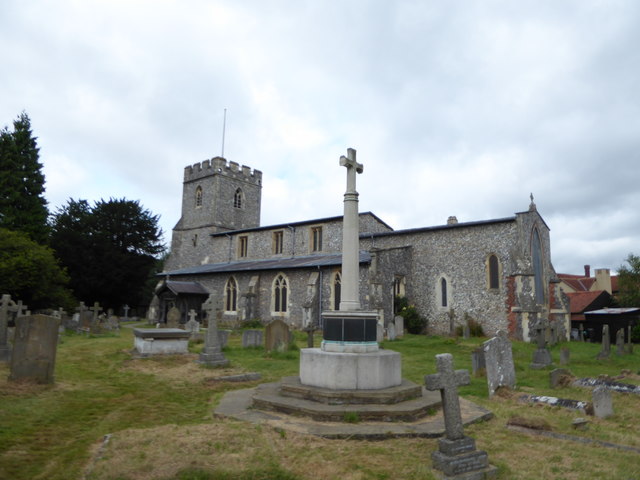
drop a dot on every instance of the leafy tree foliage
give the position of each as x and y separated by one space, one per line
629 282
22 204
31 273
109 249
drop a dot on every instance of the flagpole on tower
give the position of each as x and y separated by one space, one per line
224 124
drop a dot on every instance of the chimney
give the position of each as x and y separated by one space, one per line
452 220
603 279
587 271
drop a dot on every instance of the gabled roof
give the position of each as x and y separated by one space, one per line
581 301
193 288
578 282
306 261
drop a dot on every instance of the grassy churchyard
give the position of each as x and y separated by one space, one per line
110 416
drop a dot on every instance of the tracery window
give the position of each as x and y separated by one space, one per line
279 295
237 198
231 295
199 196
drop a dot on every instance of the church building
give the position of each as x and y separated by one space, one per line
496 271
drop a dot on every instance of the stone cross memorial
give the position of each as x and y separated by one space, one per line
457 457
212 355
542 356
606 343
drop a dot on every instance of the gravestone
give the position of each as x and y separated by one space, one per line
173 318
223 337
457 456
602 404
252 338
564 356
399 321
6 305
160 341
606 343
581 333
542 356
499 363
277 335
560 377
478 363
34 348
379 333
466 331
212 355
192 326
620 342
391 331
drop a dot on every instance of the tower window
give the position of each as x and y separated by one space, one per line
199 196
237 198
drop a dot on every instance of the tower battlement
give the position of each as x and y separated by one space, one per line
220 166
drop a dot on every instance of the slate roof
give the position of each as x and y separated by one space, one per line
306 261
193 288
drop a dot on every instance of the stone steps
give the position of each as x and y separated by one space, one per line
270 397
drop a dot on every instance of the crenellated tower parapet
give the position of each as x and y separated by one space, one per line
220 166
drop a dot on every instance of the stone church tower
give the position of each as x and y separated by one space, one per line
217 196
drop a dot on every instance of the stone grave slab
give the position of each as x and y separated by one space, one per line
252 338
161 341
34 349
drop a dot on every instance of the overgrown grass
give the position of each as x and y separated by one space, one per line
159 412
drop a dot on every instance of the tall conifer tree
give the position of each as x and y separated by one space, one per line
22 203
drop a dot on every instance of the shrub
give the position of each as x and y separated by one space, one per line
413 321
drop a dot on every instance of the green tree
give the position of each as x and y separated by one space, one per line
31 273
629 282
109 249
22 204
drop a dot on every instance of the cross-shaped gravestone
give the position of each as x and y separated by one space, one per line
540 331
447 381
457 456
20 309
81 308
606 343
542 356
6 305
212 352
96 309
126 309
192 315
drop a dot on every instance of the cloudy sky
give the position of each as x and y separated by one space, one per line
454 107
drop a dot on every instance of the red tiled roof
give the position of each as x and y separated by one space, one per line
581 301
578 283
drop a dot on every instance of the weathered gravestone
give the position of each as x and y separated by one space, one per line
457 457
173 318
399 321
391 331
223 336
6 305
478 363
192 326
34 348
542 356
606 343
620 341
602 404
564 356
560 377
252 338
211 354
277 335
466 331
379 333
160 341
499 363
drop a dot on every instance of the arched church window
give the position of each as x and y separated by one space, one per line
443 292
237 198
280 290
199 196
231 295
337 290
494 272
536 257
